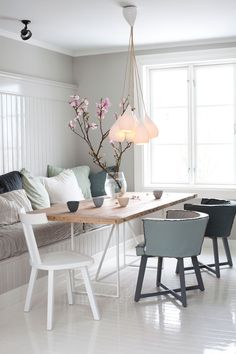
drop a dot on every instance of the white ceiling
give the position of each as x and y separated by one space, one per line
79 27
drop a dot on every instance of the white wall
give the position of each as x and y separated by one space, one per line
34 109
22 58
34 132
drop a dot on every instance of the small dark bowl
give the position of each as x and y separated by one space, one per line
73 205
98 201
157 194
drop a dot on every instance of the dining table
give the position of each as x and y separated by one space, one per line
111 213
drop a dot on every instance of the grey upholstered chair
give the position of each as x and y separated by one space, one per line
221 218
178 236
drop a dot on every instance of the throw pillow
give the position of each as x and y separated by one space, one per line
81 174
35 190
10 181
63 187
98 181
19 197
9 211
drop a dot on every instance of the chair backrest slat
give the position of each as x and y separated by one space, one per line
27 221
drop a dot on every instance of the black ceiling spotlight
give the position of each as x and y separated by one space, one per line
25 32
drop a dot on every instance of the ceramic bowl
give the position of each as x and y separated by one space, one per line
72 205
157 194
98 201
123 201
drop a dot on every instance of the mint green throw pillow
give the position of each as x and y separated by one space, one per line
35 190
81 173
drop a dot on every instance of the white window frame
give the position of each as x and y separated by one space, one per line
162 60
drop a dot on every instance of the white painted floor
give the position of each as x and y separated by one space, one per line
154 325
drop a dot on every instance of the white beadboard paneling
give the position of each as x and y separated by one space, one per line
34 131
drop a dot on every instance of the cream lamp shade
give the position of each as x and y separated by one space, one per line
116 134
141 134
127 121
151 127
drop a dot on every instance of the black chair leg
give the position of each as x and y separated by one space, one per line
197 272
177 267
216 257
227 251
159 270
182 281
141 273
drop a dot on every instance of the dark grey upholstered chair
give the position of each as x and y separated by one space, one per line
178 236
221 218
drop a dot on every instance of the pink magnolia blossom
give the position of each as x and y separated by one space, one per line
71 124
74 100
93 126
102 107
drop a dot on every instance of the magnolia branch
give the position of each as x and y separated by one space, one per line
82 127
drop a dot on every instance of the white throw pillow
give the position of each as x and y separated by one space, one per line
63 187
20 198
9 211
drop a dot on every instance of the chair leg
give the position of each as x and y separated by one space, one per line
91 297
177 267
50 299
141 273
227 251
182 282
216 257
69 287
159 270
197 273
33 277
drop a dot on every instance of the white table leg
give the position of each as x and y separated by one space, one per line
124 245
104 253
72 234
114 231
117 261
72 272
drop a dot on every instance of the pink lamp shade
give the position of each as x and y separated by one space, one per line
127 121
116 134
130 136
141 134
151 127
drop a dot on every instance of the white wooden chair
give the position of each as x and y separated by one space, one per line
50 262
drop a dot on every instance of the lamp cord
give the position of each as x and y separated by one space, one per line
132 79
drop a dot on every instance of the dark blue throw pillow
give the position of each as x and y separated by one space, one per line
98 181
10 181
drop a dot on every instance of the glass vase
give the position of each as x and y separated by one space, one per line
115 184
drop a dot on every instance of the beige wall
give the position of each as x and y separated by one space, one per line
103 76
22 58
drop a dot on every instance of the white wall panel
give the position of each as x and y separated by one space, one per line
34 131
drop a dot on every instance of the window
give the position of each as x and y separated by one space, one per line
193 106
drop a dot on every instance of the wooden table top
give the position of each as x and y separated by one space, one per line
140 204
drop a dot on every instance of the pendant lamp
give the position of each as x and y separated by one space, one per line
133 125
